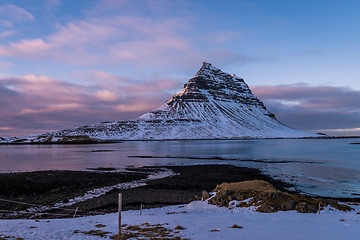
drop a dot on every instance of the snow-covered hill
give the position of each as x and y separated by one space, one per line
212 105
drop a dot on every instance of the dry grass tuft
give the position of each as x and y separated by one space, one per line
266 198
10 237
98 233
100 225
149 231
236 226
256 185
179 227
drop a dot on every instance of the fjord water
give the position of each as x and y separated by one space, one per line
325 167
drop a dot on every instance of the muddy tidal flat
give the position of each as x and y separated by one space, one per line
45 188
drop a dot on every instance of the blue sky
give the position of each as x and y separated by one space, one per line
69 63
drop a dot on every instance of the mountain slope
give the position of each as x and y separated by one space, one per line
212 105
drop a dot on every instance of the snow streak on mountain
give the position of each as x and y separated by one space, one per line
212 105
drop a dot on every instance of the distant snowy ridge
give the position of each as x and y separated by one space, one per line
212 105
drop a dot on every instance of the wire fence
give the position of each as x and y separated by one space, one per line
46 208
72 210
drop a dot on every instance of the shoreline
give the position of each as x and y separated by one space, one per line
49 187
101 141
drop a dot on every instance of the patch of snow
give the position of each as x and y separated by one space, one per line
102 191
200 220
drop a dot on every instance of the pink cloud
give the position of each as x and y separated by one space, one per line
15 13
306 96
316 108
34 48
139 107
106 96
43 87
6 34
82 32
32 103
127 40
114 39
6 23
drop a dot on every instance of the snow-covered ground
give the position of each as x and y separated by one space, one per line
200 221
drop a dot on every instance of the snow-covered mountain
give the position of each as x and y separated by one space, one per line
212 105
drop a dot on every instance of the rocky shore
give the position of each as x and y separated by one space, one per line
188 183
266 198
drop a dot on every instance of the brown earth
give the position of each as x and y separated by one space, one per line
46 187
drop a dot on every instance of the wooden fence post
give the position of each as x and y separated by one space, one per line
75 211
119 209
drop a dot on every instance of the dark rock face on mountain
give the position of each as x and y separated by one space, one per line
212 105
210 86
220 86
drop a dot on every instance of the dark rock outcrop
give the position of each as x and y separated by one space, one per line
267 199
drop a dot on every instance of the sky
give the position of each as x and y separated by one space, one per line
67 63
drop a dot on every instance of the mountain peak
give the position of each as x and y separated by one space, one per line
211 83
206 68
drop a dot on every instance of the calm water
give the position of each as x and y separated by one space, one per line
322 167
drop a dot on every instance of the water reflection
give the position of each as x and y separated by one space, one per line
329 165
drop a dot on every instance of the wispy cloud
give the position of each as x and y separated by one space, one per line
31 102
6 34
120 33
115 39
313 107
10 13
35 102
321 98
